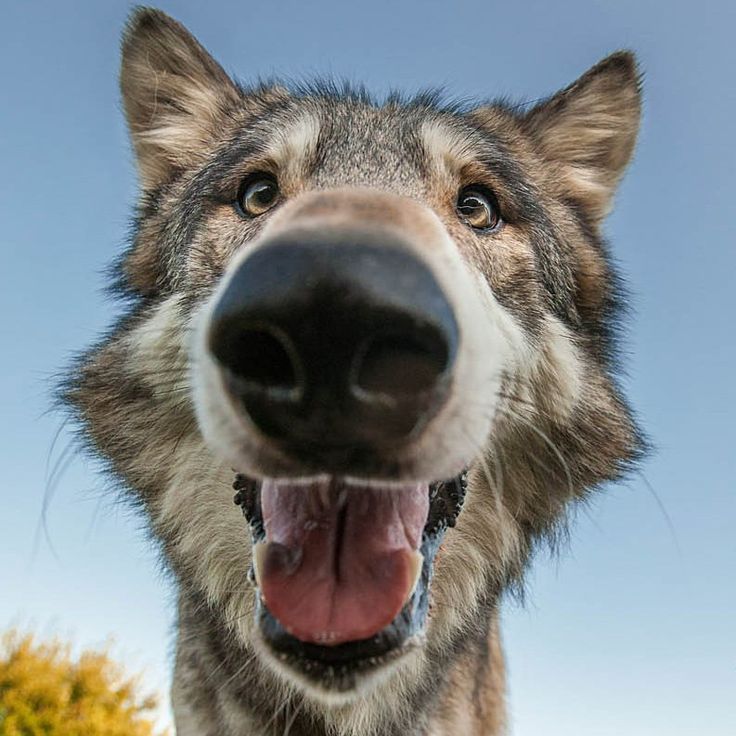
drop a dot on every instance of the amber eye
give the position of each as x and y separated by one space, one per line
477 206
258 194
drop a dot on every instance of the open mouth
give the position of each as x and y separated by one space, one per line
343 568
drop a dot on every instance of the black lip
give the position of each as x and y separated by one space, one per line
338 666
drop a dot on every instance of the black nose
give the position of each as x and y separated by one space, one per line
335 341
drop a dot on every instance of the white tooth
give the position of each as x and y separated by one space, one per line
259 559
324 493
415 565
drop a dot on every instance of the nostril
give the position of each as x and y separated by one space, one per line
391 366
262 356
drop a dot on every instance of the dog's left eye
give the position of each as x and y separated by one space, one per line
258 194
477 206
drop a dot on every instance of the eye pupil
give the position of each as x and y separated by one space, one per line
477 207
259 193
264 194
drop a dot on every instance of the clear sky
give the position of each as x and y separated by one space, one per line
630 632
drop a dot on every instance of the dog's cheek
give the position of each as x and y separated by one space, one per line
158 354
205 534
192 511
486 547
478 555
222 235
506 263
556 377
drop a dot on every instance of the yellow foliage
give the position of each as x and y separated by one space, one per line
45 691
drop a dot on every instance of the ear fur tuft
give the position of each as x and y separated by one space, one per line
589 130
174 94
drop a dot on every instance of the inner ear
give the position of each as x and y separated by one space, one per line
174 93
588 131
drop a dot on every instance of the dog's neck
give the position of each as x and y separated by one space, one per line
221 689
472 699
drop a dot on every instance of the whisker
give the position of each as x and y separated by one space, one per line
54 440
238 672
93 520
495 486
297 710
663 511
550 444
54 479
276 714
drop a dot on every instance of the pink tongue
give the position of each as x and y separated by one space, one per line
337 565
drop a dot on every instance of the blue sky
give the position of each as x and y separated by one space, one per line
629 632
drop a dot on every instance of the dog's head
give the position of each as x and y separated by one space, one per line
393 322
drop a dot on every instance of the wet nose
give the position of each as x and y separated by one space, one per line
334 341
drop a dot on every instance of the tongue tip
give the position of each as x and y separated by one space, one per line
329 614
336 635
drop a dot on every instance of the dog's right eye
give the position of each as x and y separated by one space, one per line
476 205
257 194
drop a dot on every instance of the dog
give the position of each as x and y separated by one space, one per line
367 366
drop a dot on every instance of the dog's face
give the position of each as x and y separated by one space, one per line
392 322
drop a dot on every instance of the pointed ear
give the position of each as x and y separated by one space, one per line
589 131
174 94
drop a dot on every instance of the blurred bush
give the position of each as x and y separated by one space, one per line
46 691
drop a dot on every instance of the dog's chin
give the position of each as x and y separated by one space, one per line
337 665
336 687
